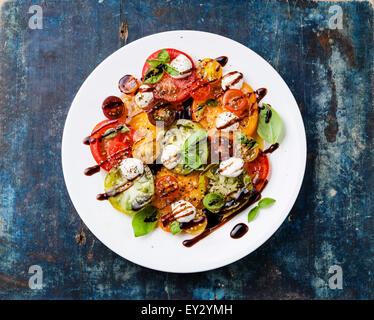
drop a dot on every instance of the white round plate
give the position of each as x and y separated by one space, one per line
160 250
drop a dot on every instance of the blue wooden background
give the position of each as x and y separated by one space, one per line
330 73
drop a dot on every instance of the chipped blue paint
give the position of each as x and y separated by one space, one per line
330 73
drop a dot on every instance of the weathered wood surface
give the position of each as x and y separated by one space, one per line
330 73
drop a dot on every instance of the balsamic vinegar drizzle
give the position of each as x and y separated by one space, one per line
272 148
238 231
92 170
222 60
219 223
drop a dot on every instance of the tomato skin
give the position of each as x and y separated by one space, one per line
167 187
109 152
235 101
258 169
200 89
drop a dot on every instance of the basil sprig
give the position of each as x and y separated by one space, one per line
145 221
209 103
195 150
263 203
175 227
159 65
270 124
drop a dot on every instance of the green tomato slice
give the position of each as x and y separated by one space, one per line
136 197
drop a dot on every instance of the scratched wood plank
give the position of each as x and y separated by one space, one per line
330 73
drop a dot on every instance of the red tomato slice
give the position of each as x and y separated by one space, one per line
170 89
109 152
258 169
200 90
173 53
236 101
167 187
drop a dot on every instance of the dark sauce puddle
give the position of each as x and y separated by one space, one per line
238 231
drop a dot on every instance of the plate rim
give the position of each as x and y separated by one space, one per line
267 234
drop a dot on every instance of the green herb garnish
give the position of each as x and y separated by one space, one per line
175 227
144 221
270 124
195 150
263 203
159 65
248 143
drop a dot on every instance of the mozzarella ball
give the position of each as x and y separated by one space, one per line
170 156
183 65
131 168
231 167
143 99
232 80
183 211
227 120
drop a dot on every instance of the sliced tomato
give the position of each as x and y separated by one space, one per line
235 101
109 151
170 89
258 169
173 53
167 187
200 89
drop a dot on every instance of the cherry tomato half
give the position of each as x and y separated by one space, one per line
167 187
109 145
236 101
200 89
164 114
258 169
113 107
128 84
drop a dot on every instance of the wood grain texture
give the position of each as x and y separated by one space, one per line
330 73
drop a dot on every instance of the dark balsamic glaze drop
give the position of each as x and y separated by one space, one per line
86 140
92 170
222 60
272 148
238 231
261 93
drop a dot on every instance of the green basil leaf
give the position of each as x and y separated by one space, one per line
170 70
265 202
144 221
153 76
163 56
269 131
123 128
175 227
253 213
213 201
212 103
200 109
195 150
154 62
109 134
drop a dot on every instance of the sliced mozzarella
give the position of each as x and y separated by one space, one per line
143 99
227 120
170 156
131 168
232 80
183 65
231 167
183 211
